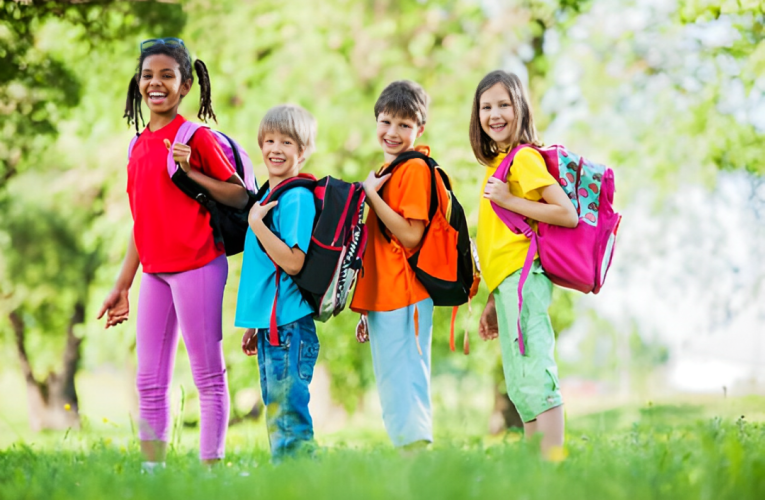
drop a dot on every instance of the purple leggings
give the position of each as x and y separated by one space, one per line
193 299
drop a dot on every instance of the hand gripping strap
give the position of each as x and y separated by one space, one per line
183 136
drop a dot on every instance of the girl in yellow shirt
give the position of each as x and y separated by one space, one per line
500 121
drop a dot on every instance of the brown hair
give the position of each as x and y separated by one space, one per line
524 132
405 99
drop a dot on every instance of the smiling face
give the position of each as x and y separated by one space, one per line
497 115
282 156
161 85
396 134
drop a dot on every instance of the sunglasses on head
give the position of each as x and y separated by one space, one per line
170 42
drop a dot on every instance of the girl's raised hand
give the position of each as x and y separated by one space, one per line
250 342
181 154
258 212
498 192
373 183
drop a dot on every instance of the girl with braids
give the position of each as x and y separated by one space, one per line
184 272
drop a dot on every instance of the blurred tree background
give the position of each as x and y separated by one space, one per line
663 91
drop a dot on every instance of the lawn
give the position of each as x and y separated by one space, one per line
652 451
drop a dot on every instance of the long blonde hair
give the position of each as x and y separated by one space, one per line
524 131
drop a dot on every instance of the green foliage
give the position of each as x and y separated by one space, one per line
37 85
65 68
52 234
50 256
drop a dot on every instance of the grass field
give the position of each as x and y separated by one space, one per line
683 451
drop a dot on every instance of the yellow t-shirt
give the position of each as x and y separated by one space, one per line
500 251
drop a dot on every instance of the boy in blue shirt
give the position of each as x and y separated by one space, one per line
287 357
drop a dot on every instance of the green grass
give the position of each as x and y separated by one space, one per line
665 453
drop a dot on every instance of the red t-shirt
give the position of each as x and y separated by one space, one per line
172 232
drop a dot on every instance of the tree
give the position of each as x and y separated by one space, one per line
738 62
51 254
50 262
38 90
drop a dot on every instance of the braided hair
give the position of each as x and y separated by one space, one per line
180 54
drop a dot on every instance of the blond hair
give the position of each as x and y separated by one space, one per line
293 121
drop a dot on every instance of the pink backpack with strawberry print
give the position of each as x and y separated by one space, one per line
579 257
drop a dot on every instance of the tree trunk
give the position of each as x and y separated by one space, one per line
504 416
53 403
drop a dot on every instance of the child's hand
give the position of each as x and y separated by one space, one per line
362 329
250 342
118 307
258 212
373 183
498 192
181 155
487 327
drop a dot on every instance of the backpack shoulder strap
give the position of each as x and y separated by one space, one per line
514 221
503 170
432 164
307 181
132 144
185 132
301 180
405 157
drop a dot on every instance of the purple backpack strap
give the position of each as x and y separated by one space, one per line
517 224
183 136
132 145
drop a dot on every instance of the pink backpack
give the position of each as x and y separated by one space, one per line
579 257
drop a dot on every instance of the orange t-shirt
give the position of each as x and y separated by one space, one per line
387 282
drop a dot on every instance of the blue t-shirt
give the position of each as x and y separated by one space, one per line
292 223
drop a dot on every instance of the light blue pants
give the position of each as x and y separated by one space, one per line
402 374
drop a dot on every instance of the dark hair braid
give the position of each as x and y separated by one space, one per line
205 100
180 54
133 104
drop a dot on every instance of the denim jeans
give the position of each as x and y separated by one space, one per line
285 372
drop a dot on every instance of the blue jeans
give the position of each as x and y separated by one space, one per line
285 372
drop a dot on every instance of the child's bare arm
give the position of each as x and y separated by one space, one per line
408 231
487 326
230 192
116 303
291 260
558 209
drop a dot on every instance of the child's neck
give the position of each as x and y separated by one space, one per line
158 121
274 180
389 157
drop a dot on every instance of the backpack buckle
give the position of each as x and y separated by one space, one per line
202 199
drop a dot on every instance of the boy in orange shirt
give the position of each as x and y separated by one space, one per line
389 297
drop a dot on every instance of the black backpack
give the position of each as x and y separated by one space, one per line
338 240
468 275
229 225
